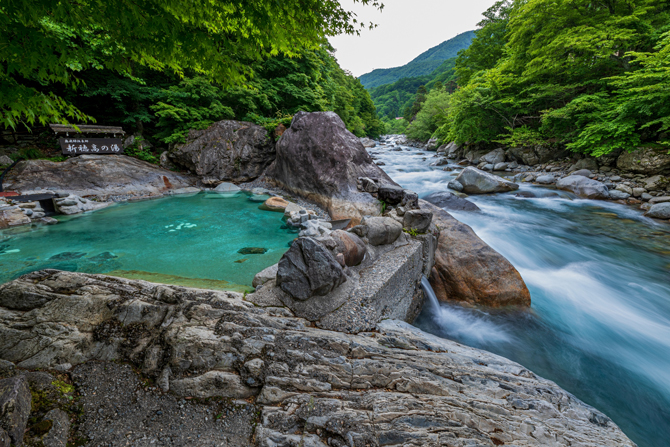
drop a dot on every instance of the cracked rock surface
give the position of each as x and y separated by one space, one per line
395 386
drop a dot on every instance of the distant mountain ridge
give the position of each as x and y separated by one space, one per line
422 65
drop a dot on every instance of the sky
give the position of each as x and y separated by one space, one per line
406 28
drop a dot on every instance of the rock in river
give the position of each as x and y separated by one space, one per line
450 201
319 159
467 269
475 181
659 211
583 187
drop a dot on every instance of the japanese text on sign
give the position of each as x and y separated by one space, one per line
77 146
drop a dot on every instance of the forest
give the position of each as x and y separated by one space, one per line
162 68
590 75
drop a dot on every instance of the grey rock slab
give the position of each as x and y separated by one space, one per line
583 187
398 383
96 175
5 160
15 400
475 181
655 182
659 211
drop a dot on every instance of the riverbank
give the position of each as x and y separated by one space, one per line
639 178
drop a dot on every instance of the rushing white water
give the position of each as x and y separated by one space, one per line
599 277
460 324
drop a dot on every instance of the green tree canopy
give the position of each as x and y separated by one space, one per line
46 44
590 75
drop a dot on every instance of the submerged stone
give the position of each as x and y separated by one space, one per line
67 256
252 251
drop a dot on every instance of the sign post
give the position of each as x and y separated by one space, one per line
78 145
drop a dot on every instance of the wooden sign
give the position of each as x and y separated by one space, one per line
76 146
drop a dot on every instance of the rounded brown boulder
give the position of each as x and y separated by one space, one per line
467 269
350 246
275 204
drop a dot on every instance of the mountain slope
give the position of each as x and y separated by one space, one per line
423 65
391 100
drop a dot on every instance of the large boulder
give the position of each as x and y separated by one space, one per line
319 159
308 269
475 181
95 175
395 385
226 151
450 201
467 269
645 161
583 187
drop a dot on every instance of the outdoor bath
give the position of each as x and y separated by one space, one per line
192 241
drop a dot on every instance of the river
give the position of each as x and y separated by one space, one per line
599 277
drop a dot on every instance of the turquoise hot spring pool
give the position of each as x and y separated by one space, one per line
193 241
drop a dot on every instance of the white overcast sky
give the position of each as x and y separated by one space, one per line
406 28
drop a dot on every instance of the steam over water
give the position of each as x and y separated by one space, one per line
599 277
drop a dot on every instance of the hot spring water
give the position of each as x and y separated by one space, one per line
191 241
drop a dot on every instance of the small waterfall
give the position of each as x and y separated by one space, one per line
464 324
429 293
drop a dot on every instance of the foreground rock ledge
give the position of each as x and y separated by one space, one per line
397 386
